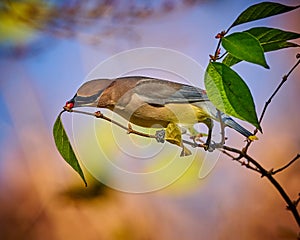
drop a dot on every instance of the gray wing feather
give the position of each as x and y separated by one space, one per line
161 92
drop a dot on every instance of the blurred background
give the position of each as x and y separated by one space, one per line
46 50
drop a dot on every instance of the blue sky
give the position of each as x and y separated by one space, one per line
54 74
34 89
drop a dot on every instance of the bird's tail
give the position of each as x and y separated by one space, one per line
233 124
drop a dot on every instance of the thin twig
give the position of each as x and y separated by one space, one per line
220 57
287 165
284 79
296 202
216 55
226 153
129 129
98 114
290 204
247 164
194 144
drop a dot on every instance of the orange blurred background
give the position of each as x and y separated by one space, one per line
45 58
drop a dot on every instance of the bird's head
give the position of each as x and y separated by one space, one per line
88 94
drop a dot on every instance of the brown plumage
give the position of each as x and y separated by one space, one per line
151 102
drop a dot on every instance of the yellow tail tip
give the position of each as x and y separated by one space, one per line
252 138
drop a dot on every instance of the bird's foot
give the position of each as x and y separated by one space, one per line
210 146
160 136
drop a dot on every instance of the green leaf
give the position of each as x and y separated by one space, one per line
261 10
271 39
279 45
229 93
230 60
64 147
246 47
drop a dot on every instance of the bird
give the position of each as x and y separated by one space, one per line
155 103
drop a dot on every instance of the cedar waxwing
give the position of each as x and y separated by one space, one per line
154 103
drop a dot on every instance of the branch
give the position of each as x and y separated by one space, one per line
250 164
247 164
284 79
216 55
98 114
296 202
194 144
224 54
287 165
291 205
129 129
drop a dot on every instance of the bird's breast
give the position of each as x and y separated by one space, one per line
147 115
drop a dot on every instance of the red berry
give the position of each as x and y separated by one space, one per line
218 36
69 105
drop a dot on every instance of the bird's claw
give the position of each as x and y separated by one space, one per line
160 136
210 146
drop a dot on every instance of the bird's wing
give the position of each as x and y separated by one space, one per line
161 92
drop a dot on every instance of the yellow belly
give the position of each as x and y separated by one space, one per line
160 116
